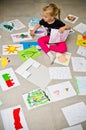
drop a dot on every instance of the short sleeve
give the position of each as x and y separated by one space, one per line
41 22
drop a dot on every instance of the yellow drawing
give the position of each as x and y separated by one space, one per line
4 61
81 40
12 49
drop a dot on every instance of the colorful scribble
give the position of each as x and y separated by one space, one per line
37 97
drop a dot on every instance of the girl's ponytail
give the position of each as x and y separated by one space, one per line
59 12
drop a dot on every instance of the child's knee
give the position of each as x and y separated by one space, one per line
64 48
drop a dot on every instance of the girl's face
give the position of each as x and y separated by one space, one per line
47 17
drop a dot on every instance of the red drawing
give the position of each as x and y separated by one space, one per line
16 116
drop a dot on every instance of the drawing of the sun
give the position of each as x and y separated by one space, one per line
12 49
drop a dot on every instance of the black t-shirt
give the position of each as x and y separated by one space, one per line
56 25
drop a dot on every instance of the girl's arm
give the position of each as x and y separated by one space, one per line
32 32
66 27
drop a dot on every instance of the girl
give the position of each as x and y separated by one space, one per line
50 21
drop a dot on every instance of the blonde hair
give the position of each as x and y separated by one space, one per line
53 10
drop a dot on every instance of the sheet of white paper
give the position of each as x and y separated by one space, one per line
11 49
8 79
39 73
81 51
81 27
8 119
76 127
56 36
61 91
81 84
79 64
75 113
18 37
71 18
17 24
60 73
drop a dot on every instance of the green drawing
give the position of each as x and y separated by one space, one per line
9 27
31 52
37 97
23 36
6 77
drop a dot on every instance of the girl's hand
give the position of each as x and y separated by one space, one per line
61 30
32 33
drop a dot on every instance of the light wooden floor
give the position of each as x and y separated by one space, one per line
50 116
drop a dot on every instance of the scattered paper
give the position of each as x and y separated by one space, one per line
81 51
75 113
7 26
76 127
81 84
63 58
81 27
29 44
32 23
8 79
13 119
21 37
31 52
71 18
36 98
17 24
61 91
4 61
79 64
11 49
81 40
60 73
35 70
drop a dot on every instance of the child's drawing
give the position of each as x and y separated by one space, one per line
36 98
63 58
8 79
21 37
31 52
12 49
71 18
4 61
7 26
13 118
